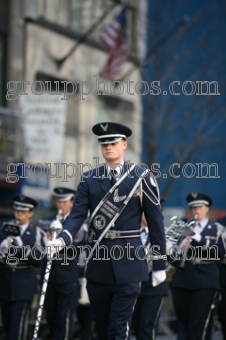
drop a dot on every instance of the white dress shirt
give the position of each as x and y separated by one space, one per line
118 168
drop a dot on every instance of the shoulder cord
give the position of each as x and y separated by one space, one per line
220 230
157 188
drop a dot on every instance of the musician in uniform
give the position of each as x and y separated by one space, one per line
19 255
63 286
149 303
222 269
116 194
195 284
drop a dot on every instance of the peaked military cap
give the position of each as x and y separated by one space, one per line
24 203
64 194
110 132
197 199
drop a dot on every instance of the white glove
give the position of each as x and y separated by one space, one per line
158 277
197 237
54 246
18 241
84 298
168 247
5 245
185 243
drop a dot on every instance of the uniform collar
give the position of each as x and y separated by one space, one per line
65 216
23 227
201 225
118 168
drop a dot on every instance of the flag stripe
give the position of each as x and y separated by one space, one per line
113 37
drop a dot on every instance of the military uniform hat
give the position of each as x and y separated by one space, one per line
110 132
24 203
197 199
63 194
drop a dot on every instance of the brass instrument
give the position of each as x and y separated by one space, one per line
187 234
174 233
177 230
11 228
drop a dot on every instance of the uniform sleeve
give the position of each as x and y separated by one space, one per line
78 214
154 217
36 258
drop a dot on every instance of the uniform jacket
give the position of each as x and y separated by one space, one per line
193 275
18 281
222 264
126 266
147 288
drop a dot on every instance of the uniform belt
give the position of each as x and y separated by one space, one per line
13 266
203 262
115 234
197 261
67 254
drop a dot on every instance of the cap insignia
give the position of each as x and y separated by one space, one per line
194 194
104 128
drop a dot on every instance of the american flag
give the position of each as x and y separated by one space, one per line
113 37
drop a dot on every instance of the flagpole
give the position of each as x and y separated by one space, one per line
82 39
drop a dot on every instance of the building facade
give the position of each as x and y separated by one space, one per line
39 35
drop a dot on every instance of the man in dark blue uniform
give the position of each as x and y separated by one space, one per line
63 287
17 275
149 303
116 194
222 269
196 284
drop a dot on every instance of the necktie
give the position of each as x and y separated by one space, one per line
113 177
198 228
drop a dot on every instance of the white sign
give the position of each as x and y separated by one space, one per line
43 122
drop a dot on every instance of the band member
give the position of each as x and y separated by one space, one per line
18 282
63 286
149 303
195 284
116 195
222 269
84 313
